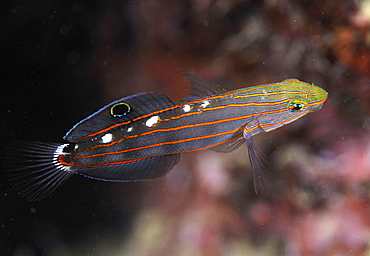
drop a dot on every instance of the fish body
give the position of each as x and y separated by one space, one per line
141 136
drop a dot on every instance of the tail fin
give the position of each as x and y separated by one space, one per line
33 168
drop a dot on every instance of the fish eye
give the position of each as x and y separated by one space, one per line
296 106
120 109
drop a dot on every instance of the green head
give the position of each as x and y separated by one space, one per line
305 97
282 103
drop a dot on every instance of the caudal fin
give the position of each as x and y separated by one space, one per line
33 168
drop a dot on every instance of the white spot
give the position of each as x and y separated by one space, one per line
152 121
264 91
59 150
186 108
130 129
205 103
262 97
107 138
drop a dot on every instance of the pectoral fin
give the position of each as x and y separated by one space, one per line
259 163
230 145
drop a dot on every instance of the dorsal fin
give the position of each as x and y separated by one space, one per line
201 87
136 105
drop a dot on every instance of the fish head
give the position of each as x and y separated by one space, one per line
287 101
304 96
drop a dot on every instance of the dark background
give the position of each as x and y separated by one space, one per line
62 60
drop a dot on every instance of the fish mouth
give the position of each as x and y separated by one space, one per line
317 108
318 104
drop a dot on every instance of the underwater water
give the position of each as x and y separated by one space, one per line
62 61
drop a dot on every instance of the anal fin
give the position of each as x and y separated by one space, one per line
149 168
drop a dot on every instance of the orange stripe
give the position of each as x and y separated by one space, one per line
161 144
60 158
274 93
127 122
187 126
216 144
251 128
317 103
280 122
232 105
192 102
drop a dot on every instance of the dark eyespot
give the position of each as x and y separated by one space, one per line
120 109
296 106
68 148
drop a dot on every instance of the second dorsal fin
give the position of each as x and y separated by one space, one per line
127 109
